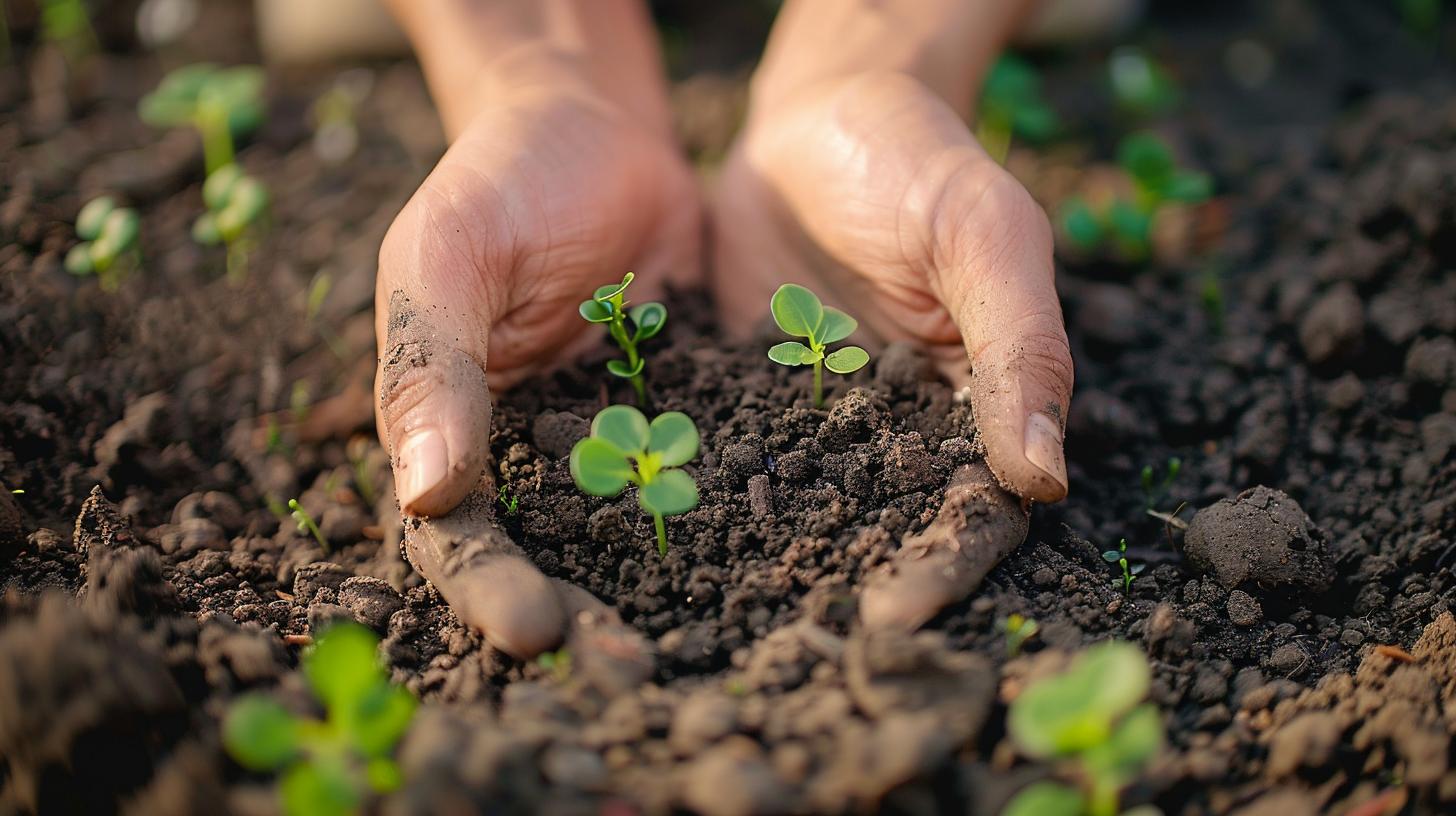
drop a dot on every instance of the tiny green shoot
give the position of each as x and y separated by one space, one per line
1155 489
508 500
1139 84
1130 571
558 663
300 400
109 242
800 313
220 103
624 448
1012 106
1090 719
1018 629
66 25
306 523
237 205
608 305
328 767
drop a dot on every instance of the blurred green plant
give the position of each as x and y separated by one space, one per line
220 103
66 24
109 242
608 306
1018 629
624 449
237 205
1156 180
1139 84
1130 571
1155 489
306 524
799 313
1088 719
328 767
1012 106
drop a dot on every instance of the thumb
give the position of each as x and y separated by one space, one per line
993 260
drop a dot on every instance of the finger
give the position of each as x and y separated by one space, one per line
992 250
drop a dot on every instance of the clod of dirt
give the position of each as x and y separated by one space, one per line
1243 609
901 365
887 672
701 720
852 419
101 524
1333 326
1261 538
128 581
556 432
733 779
371 600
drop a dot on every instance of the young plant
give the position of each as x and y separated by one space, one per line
330 766
109 242
1155 490
510 502
800 313
221 103
1012 106
236 207
1127 223
1018 629
1139 84
306 523
1129 571
558 663
66 25
1088 719
623 448
609 306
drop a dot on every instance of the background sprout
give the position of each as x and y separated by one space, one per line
1139 84
305 523
109 235
1018 629
1012 106
66 25
623 448
221 103
1090 718
1129 571
328 767
608 305
236 206
1127 224
1155 490
799 313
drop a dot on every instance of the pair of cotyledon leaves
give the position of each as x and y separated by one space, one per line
603 463
606 305
108 230
800 313
234 201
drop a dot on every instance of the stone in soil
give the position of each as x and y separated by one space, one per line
1260 540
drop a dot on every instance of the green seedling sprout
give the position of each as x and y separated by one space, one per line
1130 571
1091 720
236 206
66 25
1154 489
109 242
306 523
1018 629
1012 106
558 663
1127 224
800 313
510 502
609 306
623 448
331 766
1139 84
221 103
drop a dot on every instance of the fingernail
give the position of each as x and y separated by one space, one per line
1044 447
421 465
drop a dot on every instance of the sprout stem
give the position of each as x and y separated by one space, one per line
661 534
819 383
217 137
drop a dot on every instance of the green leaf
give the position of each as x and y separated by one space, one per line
118 233
381 719
599 468
1081 224
1035 122
648 318
92 216
594 311
204 230
1132 226
674 438
1074 711
613 289
344 667
1111 556
671 493
621 369
383 775
1045 799
847 360
792 353
217 190
796 310
835 326
248 201
174 102
259 733
319 788
1147 158
623 426
1188 187
78 260
1128 748
239 91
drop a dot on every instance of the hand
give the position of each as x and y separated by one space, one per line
547 193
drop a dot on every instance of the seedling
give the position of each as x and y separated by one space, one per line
509 501
1089 720
800 313
66 25
109 242
1139 84
1018 629
1154 489
305 523
329 766
1127 224
623 448
1129 571
236 206
609 306
1012 106
221 103
558 663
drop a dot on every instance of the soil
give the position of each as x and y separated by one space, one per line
1300 626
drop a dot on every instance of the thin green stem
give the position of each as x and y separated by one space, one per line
1102 798
217 138
661 534
237 262
819 383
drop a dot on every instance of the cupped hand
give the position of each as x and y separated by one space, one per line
871 191
546 194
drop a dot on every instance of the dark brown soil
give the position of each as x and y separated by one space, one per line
1300 631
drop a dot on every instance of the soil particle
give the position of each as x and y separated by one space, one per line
1260 539
101 524
702 719
127 581
371 600
853 417
1333 327
556 432
138 429
760 497
310 578
1243 609
888 672
901 366
1308 739
1282 802
1432 362
190 535
733 779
